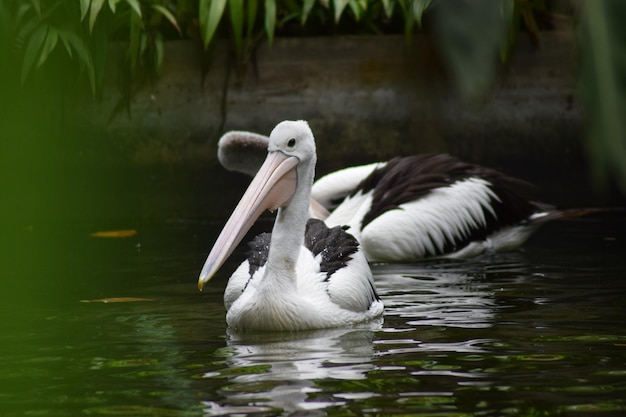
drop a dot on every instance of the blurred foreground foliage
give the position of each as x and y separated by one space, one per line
603 86
473 37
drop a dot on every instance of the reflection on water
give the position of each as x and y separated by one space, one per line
279 371
427 297
535 332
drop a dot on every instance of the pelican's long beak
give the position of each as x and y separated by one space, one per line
271 188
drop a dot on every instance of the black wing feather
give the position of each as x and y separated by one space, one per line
334 244
405 179
259 250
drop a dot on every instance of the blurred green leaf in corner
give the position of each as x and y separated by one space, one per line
603 87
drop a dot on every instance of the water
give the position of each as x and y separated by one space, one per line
535 332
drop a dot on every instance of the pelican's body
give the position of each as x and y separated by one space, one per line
306 276
431 206
423 206
320 296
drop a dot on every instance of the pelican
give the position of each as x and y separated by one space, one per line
416 207
304 275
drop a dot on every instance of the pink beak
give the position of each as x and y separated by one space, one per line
271 188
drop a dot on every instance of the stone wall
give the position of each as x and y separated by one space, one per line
366 98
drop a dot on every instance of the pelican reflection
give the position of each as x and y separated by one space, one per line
279 372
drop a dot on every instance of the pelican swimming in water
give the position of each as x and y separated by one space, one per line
304 275
415 207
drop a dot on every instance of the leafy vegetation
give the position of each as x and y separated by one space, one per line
83 29
473 36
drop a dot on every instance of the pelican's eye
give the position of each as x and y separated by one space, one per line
291 143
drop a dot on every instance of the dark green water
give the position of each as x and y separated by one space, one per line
536 332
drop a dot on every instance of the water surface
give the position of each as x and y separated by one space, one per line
535 332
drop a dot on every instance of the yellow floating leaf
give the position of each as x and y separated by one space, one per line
115 233
116 300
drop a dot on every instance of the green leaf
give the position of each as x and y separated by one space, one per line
35 43
25 31
603 86
388 6
37 5
409 18
75 43
419 6
210 14
134 40
84 8
307 6
134 4
96 6
511 16
356 9
67 45
253 6
339 6
143 43
48 46
168 15
112 4
158 52
81 49
98 47
236 20
22 11
270 19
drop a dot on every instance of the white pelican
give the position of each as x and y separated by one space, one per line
416 207
304 275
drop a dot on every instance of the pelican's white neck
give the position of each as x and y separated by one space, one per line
289 228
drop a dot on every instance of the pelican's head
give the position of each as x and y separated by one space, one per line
294 139
289 165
